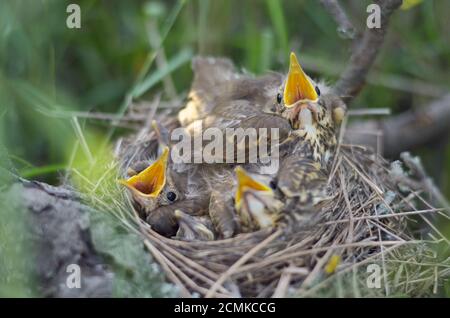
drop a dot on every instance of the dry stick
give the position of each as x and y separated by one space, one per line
179 272
301 271
201 273
345 27
440 211
385 228
108 116
283 285
435 229
376 217
349 207
351 267
337 159
427 221
240 262
191 283
369 112
296 245
354 76
419 264
188 268
408 129
383 261
373 185
319 265
196 245
334 168
267 290
377 78
170 274
319 249
181 257
315 272
364 177
164 239
362 206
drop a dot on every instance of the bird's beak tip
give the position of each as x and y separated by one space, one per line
293 61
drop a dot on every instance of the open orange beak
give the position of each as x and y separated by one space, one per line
298 86
245 182
151 181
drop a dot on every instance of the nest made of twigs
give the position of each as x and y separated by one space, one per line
365 219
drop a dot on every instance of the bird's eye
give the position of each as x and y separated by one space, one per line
279 98
171 196
317 90
273 185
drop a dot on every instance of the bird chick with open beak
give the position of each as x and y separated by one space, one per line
147 185
152 188
221 97
299 99
157 190
255 203
307 152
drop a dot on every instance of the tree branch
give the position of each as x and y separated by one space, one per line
345 27
405 131
364 54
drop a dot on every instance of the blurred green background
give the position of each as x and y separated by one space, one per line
47 70
50 73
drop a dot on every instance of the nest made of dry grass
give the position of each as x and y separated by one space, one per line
267 263
365 221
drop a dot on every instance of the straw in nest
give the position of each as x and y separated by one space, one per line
365 223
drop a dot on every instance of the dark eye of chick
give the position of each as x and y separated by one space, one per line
317 90
171 196
279 98
273 185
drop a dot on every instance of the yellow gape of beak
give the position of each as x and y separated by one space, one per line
298 86
150 181
245 182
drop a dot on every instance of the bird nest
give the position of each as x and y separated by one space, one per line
363 222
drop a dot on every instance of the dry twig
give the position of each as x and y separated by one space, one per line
364 54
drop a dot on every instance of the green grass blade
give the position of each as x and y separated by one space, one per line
180 59
33 172
277 16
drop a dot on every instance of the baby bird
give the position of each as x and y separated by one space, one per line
223 98
255 203
152 188
307 152
156 188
